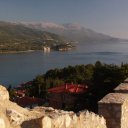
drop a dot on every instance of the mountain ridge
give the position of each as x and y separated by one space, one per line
26 36
72 31
17 37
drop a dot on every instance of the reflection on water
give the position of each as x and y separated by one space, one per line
18 68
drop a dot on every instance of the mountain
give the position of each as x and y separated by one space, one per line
74 32
25 36
18 37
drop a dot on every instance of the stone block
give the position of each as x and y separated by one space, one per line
4 95
122 88
111 108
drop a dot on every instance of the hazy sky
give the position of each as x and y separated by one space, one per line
107 16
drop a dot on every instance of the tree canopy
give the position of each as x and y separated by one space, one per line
100 78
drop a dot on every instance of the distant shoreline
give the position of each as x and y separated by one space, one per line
14 52
28 51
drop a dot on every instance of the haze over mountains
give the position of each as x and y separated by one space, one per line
17 37
23 36
72 31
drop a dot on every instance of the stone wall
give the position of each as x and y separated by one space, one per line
4 95
14 116
111 107
4 122
62 119
124 115
122 88
114 107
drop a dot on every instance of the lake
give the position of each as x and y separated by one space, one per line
23 67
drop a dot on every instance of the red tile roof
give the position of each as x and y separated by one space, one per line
72 88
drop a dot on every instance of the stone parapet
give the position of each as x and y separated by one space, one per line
4 95
126 80
54 118
14 116
113 107
122 88
114 98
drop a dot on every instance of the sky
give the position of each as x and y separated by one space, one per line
105 16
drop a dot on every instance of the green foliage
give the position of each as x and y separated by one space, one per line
11 92
98 75
101 79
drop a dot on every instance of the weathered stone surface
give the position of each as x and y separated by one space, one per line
2 123
124 115
126 80
113 107
122 88
46 122
34 123
4 95
14 116
62 119
117 98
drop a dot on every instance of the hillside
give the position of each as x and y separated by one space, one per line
16 37
75 32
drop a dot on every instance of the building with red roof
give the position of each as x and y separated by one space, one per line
68 94
22 97
29 101
72 88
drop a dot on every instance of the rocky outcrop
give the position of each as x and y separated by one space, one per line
4 95
4 122
14 116
53 118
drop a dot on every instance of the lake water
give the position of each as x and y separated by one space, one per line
19 68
